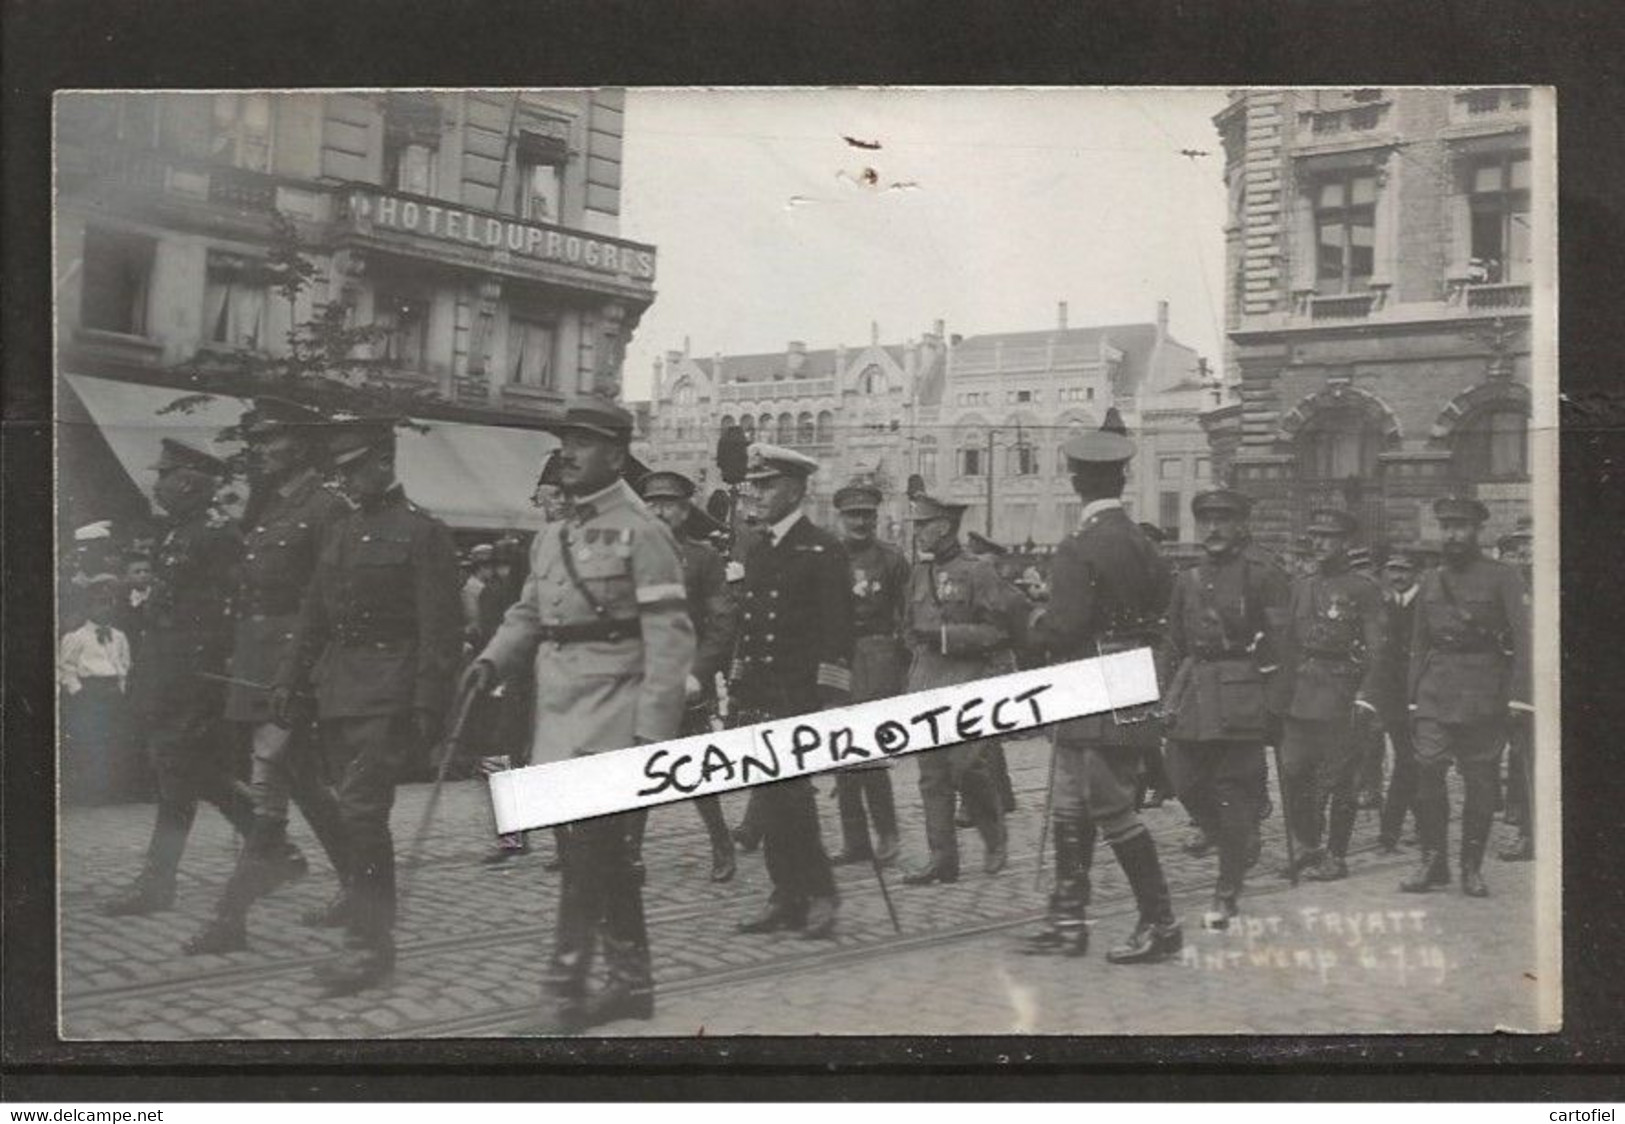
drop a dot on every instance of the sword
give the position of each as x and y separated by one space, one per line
1286 816
233 681
885 891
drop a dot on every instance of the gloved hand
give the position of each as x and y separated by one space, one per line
692 689
480 677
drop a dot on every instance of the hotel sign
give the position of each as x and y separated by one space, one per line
448 222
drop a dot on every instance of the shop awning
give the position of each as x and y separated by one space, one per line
474 477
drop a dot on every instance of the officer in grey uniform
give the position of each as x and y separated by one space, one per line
957 626
379 638
879 664
1224 626
1469 682
175 687
793 657
288 513
711 608
1333 652
604 621
1109 590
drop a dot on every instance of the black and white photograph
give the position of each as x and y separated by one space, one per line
409 437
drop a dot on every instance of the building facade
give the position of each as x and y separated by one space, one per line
1380 249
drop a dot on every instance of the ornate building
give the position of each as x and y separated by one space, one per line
1380 251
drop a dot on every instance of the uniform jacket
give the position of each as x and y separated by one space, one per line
795 635
188 622
594 695
380 630
1335 643
1108 589
957 620
711 608
880 579
280 548
1470 646
1224 637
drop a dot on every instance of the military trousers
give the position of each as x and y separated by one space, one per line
1095 789
1475 749
1401 794
959 770
792 845
864 795
1098 784
600 901
363 758
1217 782
1320 760
192 761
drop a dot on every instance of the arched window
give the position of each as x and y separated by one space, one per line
972 455
872 380
1337 444
826 427
1492 444
726 424
786 429
805 431
765 430
748 424
683 393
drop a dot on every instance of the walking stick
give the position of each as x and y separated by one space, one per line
1286 818
1049 804
449 747
885 891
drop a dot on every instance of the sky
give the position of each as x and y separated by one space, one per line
987 208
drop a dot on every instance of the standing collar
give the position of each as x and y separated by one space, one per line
1095 507
783 526
586 507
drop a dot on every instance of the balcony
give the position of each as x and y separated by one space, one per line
1492 298
1340 306
1471 107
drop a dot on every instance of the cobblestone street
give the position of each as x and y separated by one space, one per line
1343 957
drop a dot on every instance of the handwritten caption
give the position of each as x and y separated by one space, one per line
1401 943
597 784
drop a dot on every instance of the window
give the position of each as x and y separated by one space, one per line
873 380
411 142
1026 396
242 130
805 429
1204 468
1170 468
765 429
1493 445
116 273
1499 200
234 297
970 461
748 425
826 427
1023 460
530 351
541 159
725 424
1168 515
409 167
683 393
928 464
1338 445
786 429
1345 232
1071 515
405 323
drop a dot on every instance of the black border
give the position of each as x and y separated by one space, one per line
51 44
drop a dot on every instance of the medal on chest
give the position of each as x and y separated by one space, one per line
947 588
863 585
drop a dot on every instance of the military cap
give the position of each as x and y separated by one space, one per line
598 416
482 552
1098 446
1515 538
178 454
350 439
1459 509
927 508
269 415
666 485
1220 500
1331 521
1359 558
1400 560
981 544
858 497
767 461
94 532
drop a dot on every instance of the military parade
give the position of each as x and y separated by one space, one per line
312 652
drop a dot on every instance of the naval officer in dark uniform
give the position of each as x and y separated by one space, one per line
175 687
379 639
1109 590
289 511
715 616
793 657
1331 681
1469 681
1224 626
879 663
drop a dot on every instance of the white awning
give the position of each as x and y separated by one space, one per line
474 477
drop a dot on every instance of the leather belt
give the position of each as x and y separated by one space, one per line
590 630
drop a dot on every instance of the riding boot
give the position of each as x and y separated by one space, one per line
1157 936
1477 819
575 928
722 844
1432 829
629 992
1066 926
259 865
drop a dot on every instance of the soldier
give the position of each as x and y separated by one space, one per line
1332 661
879 663
715 617
793 657
604 620
1109 588
379 638
1516 549
1224 624
1469 680
289 510
957 625
175 686
482 568
980 546
1399 576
